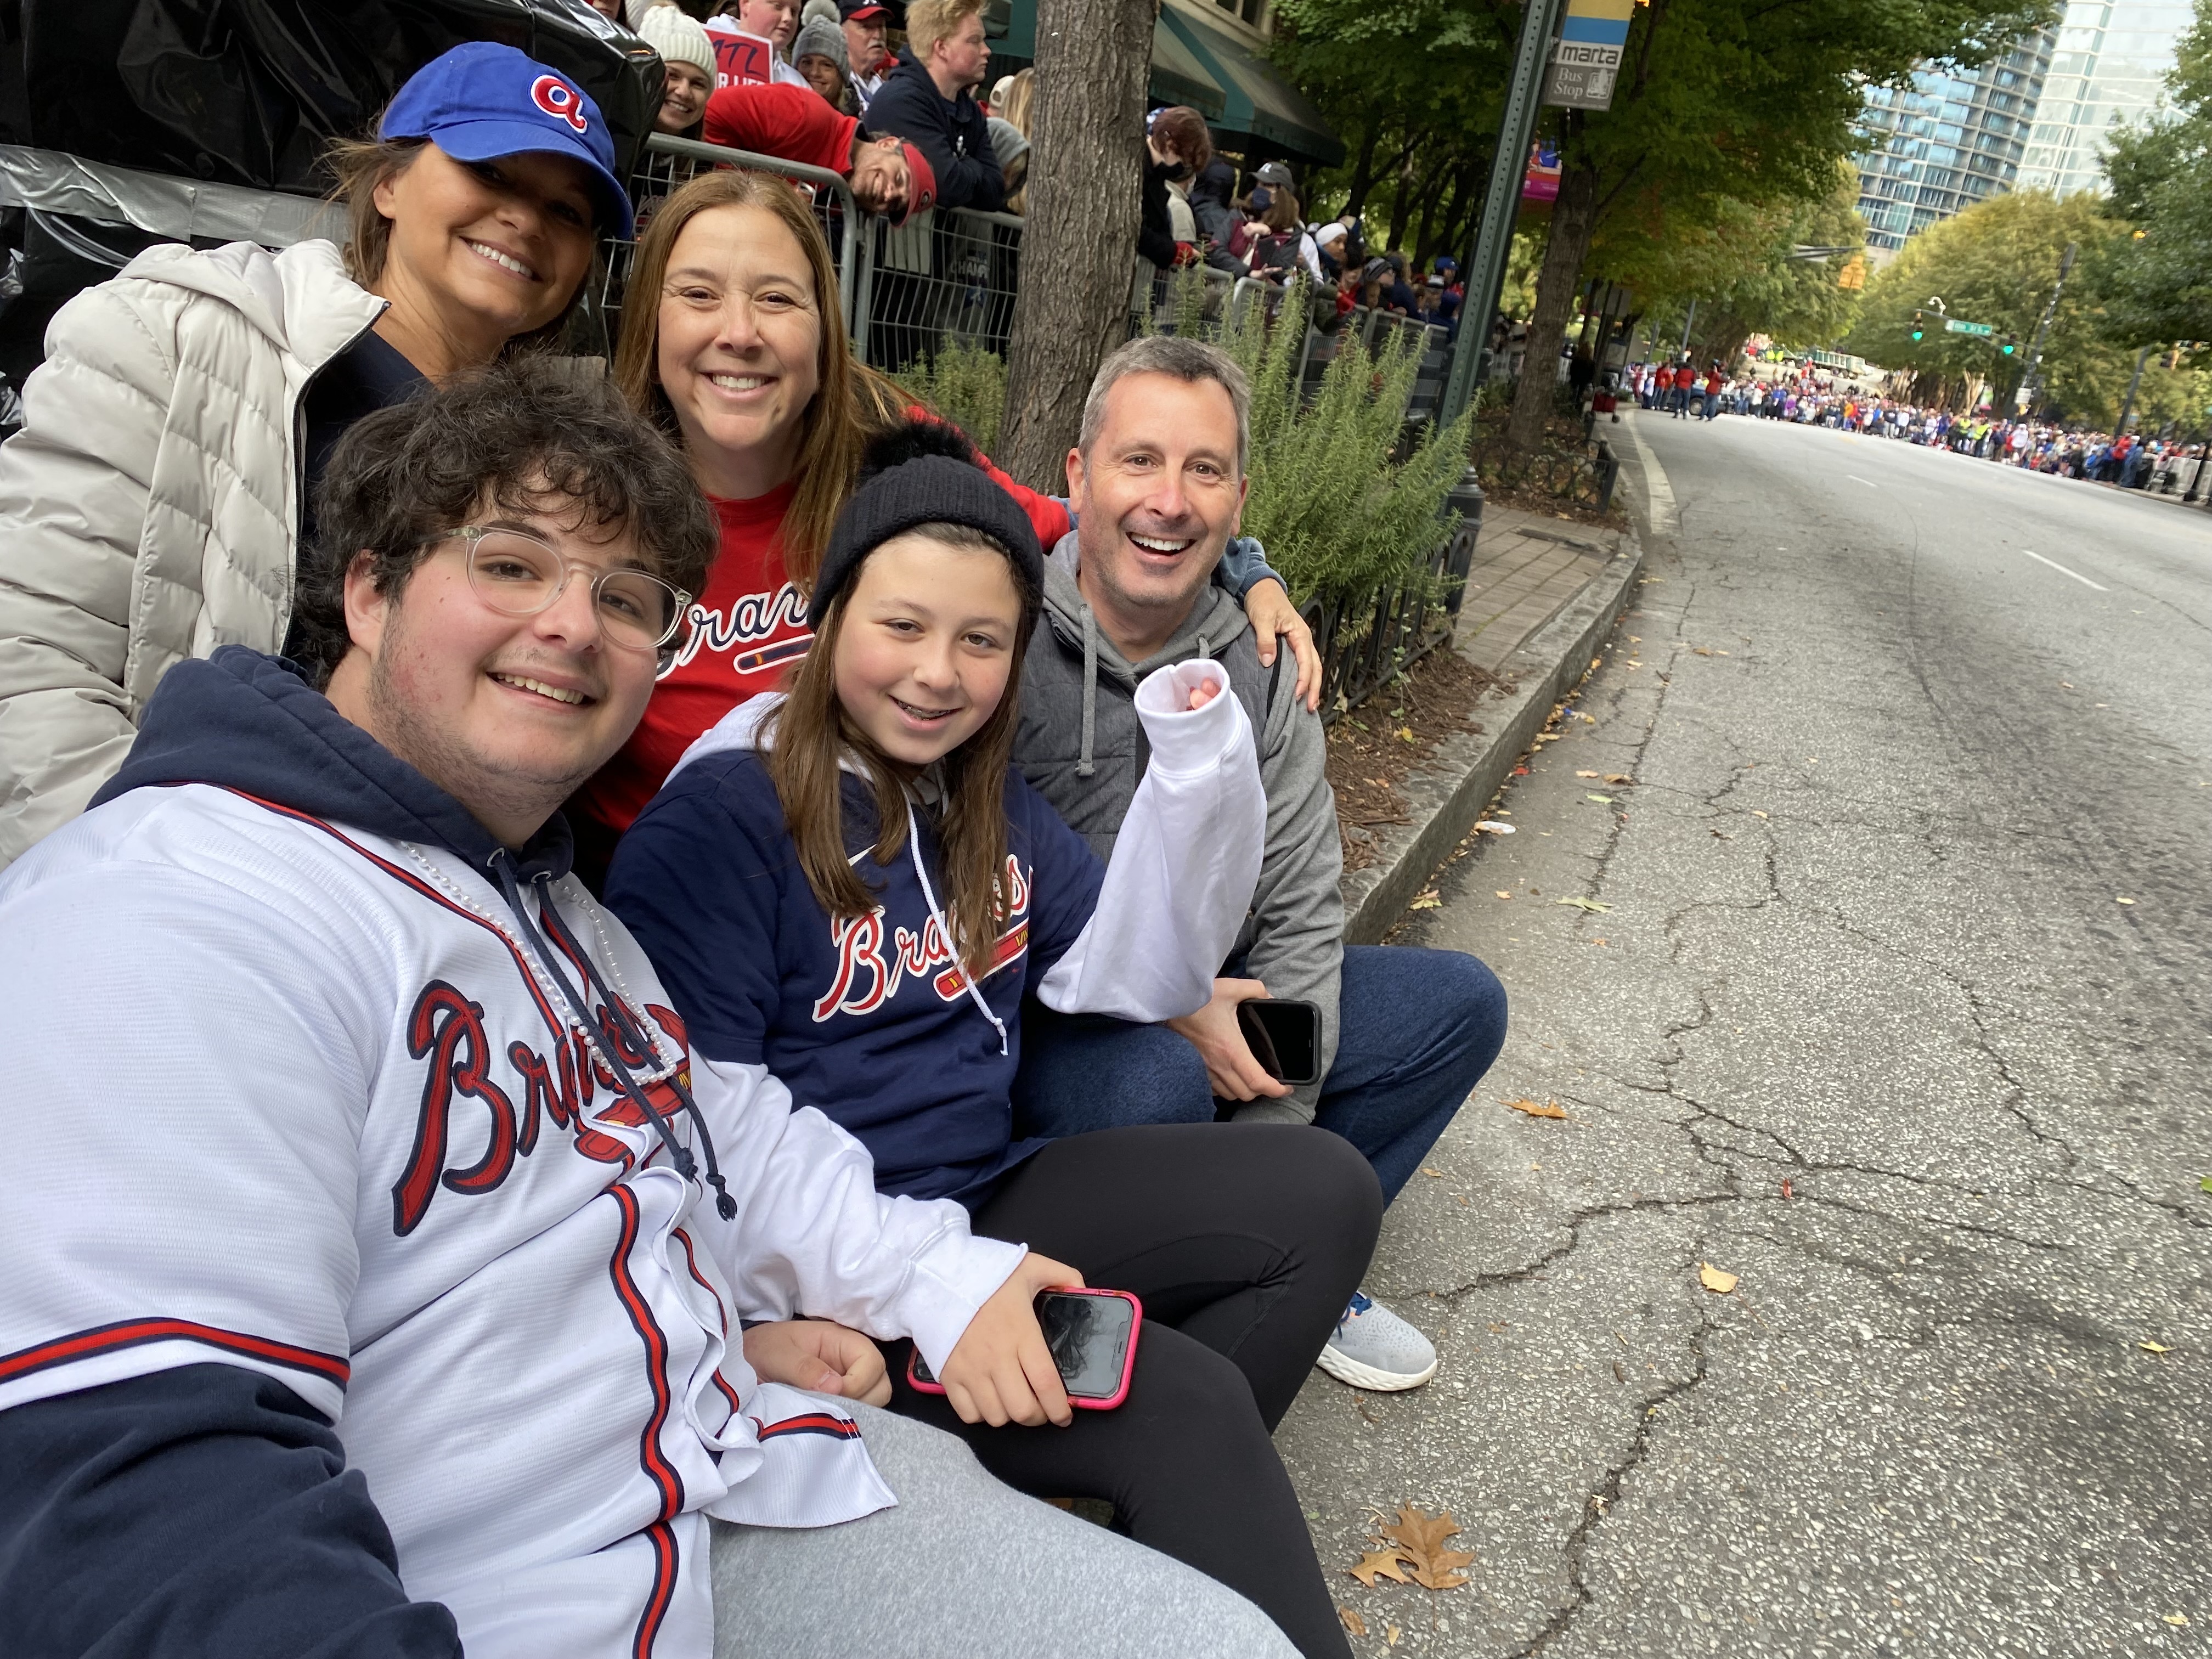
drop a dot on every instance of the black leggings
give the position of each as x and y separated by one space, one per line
1244 1242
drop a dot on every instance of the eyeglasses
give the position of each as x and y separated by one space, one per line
520 576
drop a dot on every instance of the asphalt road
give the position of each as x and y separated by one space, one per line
1901 1011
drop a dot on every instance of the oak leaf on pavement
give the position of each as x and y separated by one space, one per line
1550 1108
1421 1537
1719 1280
1379 1563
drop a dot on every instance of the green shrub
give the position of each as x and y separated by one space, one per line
1343 508
966 385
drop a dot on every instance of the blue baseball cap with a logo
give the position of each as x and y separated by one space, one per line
482 100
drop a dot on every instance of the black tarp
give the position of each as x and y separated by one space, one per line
248 92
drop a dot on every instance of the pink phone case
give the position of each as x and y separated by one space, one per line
1080 1402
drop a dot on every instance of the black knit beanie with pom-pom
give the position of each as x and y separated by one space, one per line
925 472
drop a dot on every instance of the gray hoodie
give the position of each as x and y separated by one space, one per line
1081 747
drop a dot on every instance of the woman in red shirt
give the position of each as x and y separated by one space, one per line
736 345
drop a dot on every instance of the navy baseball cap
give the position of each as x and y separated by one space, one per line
481 101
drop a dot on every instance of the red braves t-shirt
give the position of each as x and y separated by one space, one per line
794 123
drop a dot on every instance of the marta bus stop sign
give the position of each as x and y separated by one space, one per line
1586 58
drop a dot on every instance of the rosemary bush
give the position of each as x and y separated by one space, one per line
966 385
1341 511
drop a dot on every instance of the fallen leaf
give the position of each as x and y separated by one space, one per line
1756 813
2153 1347
1389 1636
2180 1621
1426 1170
1549 1108
1380 1564
1602 800
1519 771
1503 894
2124 900
1421 1536
1352 1622
1404 734
1618 777
2204 1183
1785 1186
1620 1374
1585 775
1699 650
1492 827
1589 905
1428 899
1718 1280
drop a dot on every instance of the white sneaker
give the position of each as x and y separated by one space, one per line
1376 1350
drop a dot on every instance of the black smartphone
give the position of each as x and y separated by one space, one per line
1284 1036
1093 1338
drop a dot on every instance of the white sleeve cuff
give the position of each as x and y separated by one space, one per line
952 1280
1184 739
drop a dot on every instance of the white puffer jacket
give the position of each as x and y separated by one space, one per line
151 505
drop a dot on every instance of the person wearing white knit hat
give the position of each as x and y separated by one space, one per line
689 57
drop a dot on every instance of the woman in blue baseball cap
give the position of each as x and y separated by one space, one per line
152 506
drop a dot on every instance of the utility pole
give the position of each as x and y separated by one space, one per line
2031 382
1684 351
1501 206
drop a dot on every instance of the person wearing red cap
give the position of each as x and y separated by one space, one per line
867 52
886 175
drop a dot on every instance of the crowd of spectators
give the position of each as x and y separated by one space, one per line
1810 397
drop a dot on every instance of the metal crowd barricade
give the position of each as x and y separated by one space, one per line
667 164
946 278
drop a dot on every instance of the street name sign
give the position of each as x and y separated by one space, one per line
1953 326
1586 58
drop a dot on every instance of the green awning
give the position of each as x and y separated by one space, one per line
1179 78
1261 103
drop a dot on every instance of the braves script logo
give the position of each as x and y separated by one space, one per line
754 617
867 979
560 101
447 1030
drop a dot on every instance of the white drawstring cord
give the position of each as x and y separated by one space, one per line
945 928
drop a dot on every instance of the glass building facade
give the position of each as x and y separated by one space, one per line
2108 67
1947 142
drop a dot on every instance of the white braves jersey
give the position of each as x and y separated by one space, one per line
300 1099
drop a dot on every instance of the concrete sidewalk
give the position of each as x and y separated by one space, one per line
1539 595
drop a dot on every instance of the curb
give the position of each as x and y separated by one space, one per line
1446 796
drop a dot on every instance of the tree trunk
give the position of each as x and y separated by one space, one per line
1574 216
1079 239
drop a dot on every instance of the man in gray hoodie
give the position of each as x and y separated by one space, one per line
1157 482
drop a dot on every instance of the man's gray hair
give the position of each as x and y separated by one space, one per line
1191 361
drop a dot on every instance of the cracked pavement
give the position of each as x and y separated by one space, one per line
1867 1024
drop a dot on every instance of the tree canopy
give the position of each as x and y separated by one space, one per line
1996 263
2160 280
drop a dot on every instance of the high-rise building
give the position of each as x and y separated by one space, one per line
1949 140
2109 67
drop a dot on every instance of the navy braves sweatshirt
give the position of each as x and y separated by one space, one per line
869 1018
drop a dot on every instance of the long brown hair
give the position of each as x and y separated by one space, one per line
851 402
811 732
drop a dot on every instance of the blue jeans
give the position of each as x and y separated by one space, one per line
1416 1029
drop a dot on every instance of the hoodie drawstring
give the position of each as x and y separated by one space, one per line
504 865
1085 766
945 928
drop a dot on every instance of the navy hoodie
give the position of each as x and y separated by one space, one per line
207 1509
867 1019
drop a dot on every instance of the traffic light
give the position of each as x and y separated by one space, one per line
2007 345
1918 329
